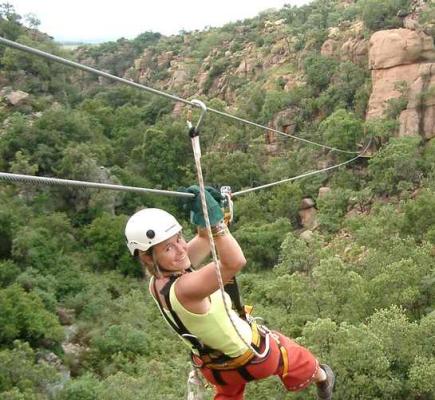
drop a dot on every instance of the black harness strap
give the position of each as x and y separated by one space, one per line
218 377
232 288
180 329
244 373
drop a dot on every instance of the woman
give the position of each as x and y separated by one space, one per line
193 305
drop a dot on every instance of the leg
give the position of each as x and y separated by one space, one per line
228 385
229 392
302 366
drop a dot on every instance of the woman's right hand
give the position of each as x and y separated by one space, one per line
213 198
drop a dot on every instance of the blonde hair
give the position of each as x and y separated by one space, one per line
149 269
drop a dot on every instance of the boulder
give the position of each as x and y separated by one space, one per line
394 47
66 315
419 116
355 50
284 120
330 48
308 218
307 202
307 235
323 191
179 78
17 97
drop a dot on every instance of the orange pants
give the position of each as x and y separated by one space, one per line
302 367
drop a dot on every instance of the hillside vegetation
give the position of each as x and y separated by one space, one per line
343 261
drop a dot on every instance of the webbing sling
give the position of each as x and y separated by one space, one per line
176 324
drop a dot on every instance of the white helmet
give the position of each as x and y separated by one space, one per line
149 227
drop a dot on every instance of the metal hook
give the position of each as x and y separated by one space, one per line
193 131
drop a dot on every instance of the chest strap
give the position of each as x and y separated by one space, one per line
175 323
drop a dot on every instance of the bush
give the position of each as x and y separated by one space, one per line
419 218
395 165
332 209
319 71
23 316
261 242
105 240
378 15
21 377
342 129
297 255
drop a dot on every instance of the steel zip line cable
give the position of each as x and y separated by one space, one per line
318 171
74 64
83 184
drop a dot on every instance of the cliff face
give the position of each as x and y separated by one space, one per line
404 58
401 63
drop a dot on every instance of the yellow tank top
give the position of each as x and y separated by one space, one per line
214 328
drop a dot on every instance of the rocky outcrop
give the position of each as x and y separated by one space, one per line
406 57
283 121
346 43
308 214
17 97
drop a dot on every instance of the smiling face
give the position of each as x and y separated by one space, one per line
171 254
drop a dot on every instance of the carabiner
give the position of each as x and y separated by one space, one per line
194 131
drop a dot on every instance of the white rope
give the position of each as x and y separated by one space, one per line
197 155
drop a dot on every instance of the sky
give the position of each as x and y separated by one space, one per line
105 20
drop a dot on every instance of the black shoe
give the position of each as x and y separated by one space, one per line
324 389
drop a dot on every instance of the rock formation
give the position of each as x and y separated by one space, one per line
406 57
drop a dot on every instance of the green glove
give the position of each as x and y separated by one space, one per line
212 196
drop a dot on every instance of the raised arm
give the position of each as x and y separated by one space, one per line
200 284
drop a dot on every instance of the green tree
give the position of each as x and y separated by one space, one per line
104 238
319 71
378 15
396 164
21 377
342 129
419 218
332 209
23 316
261 242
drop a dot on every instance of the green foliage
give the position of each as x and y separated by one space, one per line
378 15
397 335
8 272
396 164
123 339
339 292
368 374
218 169
342 129
10 26
332 207
86 387
262 241
421 374
23 316
319 71
104 238
21 377
298 255
274 101
42 243
157 161
419 218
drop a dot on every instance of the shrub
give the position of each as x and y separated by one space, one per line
396 164
419 218
261 242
